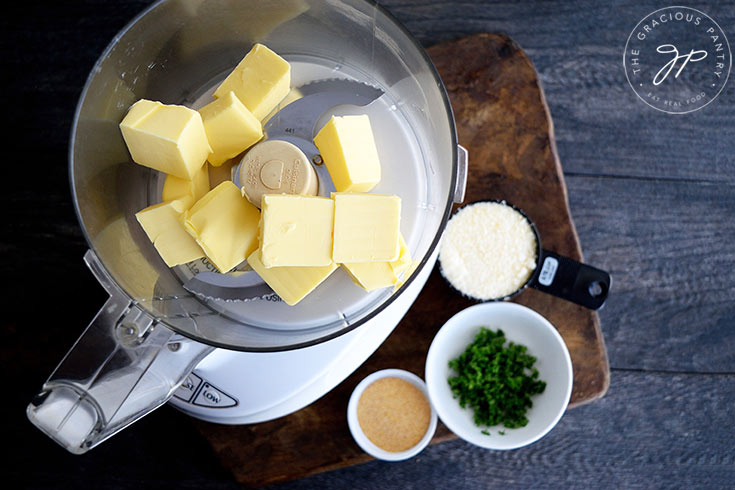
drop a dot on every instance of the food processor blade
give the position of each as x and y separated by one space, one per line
295 123
298 119
237 287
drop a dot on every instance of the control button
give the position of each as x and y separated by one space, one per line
209 396
188 387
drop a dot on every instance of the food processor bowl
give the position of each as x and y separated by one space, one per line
152 331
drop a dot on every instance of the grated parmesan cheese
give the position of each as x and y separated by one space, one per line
488 250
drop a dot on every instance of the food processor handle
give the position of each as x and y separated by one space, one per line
571 280
124 365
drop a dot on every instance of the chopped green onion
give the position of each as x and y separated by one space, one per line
495 380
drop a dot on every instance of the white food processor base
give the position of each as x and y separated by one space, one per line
232 387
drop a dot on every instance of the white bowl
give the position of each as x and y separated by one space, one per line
521 325
360 436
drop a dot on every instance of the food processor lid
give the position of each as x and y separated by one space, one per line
175 310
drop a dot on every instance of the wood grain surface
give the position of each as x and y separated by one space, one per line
503 121
577 47
651 195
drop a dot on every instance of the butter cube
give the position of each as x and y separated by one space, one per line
163 225
366 227
261 80
296 230
371 275
347 147
377 275
231 128
292 284
404 260
176 188
169 138
225 225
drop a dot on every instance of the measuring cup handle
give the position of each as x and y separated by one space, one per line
571 280
123 366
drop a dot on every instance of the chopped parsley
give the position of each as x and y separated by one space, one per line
495 380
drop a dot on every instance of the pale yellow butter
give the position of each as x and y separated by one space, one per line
261 80
163 225
348 149
366 227
376 275
225 225
404 260
231 128
371 275
176 188
169 138
292 284
296 230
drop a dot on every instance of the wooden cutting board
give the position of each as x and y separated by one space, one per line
504 122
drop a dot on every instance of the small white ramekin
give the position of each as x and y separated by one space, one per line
360 437
523 326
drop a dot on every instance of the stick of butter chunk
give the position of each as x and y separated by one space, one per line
169 138
261 80
176 188
371 275
163 225
376 275
366 227
225 225
404 260
347 147
231 128
292 284
296 230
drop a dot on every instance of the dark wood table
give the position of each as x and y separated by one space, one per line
652 196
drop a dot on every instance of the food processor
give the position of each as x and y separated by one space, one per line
232 354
